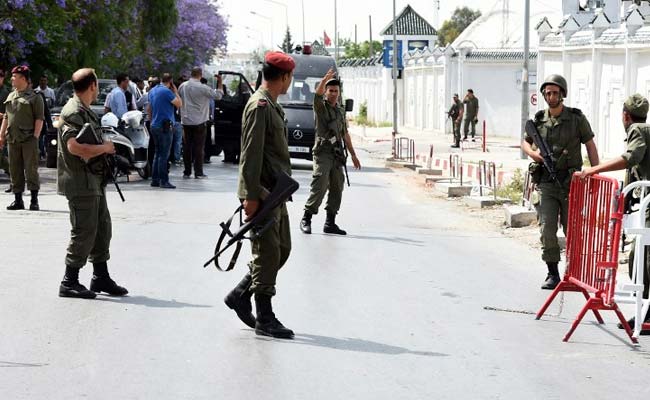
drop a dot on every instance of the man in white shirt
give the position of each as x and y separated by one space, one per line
195 112
47 92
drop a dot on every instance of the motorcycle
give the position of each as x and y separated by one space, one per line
131 140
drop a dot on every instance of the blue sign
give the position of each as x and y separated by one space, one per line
388 54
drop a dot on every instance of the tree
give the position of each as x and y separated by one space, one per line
133 36
355 50
451 29
287 45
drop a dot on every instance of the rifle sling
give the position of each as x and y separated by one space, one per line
225 231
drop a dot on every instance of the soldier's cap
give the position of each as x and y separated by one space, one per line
280 61
21 69
333 82
636 105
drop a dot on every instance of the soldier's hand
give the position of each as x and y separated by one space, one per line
355 162
250 208
585 173
537 157
109 147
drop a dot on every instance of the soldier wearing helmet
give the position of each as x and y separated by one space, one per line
636 160
565 129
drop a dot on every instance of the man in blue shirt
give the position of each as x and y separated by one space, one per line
117 100
162 100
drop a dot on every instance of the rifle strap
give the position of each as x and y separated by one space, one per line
225 231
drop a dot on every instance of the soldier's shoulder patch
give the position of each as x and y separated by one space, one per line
262 103
575 110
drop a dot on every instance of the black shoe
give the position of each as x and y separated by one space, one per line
9 189
186 176
16 205
630 322
239 300
75 289
266 323
305 223
155 184
455 146
202 176
473 140
331 227
551 282
167 185
107 285
34 206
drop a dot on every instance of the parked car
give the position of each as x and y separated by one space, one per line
63 94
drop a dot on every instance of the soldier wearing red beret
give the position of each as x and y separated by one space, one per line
264 153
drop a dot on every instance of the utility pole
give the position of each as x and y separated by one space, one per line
336 35
303 20
370 50
524 75
394 70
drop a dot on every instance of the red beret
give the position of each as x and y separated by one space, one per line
280 60
21 69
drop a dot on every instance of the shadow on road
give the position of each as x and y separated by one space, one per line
359 345
392 239
9 364
149 302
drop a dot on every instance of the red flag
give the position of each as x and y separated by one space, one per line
326 39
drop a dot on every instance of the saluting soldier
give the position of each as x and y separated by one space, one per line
21 127
331 132
636 159
564 129
85 190
264 154
471 114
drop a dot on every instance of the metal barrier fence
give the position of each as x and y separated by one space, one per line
465 145
456 168
529 188
487 177
404 149
593 234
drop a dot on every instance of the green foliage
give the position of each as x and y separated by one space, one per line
460 19
514 190
362 50
287 44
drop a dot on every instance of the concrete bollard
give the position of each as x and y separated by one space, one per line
519 217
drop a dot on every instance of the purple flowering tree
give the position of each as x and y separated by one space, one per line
134 36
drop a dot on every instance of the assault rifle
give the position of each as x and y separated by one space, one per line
545 152
88 135
345 161
285 186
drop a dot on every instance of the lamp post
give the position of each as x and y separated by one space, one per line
524 76
270 20
394 70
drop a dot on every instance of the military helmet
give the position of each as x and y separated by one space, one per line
557 80
636 105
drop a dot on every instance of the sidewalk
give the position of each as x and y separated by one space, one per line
502 151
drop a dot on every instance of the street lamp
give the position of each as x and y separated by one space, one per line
270 20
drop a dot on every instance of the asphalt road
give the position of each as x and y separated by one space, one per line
395 310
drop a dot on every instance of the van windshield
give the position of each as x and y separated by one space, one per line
301 91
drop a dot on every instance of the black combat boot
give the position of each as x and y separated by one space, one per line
305 223
33 204
331 227
239 300
102 281
553 277
18 202
70 286
267 324
644 332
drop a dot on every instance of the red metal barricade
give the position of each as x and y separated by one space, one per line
593 234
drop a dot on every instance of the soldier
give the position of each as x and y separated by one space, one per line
86 193
264 153
564 129
636 159
21 127
331 131
456 114
4 93
471 115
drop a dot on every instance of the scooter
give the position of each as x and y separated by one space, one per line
131 140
